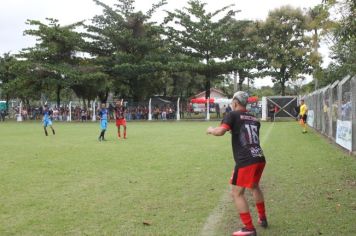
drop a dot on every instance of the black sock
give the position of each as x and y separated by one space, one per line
103 134
46 132
53 132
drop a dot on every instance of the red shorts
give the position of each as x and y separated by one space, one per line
120 122
248 176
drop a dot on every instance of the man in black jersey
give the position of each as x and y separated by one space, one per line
249 159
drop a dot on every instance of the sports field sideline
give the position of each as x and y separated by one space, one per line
166 179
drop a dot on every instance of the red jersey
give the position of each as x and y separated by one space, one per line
120 113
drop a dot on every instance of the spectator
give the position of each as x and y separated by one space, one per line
217 110
271 110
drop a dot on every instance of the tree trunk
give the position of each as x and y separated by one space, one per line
235 81
208 76
59 89
316 82
104 96
283 79
241 79
207 87
7 102
283 88
84 103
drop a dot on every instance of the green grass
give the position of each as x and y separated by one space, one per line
309 185
170 175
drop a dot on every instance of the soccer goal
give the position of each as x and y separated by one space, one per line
279 108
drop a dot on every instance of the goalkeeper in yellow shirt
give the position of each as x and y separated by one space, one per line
303 115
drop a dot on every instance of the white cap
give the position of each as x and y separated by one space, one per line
241 97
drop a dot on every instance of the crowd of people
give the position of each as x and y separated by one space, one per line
80 113
132 112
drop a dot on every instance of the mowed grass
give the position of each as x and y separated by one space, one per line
309 185
165 179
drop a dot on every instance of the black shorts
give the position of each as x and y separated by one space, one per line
248 176
304 118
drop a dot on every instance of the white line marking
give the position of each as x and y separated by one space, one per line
217 214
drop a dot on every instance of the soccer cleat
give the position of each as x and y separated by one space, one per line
263 223
304 132
245 232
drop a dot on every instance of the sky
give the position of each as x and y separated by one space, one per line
14 13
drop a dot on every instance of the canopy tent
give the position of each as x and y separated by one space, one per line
220 100
201 100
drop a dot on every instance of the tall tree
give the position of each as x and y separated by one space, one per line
23 84
318 22
128 48
288 49
197 33
344 37
7 75
53 57
245 42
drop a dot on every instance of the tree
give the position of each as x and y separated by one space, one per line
24 85
344 37
287 47
196 34
319 23
7 61
53 58
128 48
245 46
90 82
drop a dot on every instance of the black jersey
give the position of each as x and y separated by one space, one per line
119 112
245 130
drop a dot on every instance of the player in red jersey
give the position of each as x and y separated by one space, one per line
120 118
249 159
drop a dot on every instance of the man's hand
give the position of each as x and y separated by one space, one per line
218 131
209 130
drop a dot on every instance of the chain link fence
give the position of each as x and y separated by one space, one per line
332 112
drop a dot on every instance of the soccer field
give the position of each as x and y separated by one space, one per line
166 179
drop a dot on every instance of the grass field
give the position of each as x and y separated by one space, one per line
166 179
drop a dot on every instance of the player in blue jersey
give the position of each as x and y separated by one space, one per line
103 115
47 119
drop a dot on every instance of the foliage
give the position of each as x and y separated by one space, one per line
51 61
245 48
319 23
344 37
128 49
288 49
196 33
6 75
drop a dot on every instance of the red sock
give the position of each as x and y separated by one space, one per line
118 134
125 134
247 220
261 210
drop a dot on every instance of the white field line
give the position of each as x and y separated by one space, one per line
216 215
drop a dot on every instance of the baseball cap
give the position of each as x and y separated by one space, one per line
241 97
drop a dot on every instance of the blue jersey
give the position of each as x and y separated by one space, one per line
47 117
103 113
46 114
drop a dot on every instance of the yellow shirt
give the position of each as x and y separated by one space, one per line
303 110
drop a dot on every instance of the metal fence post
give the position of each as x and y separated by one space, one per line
149 110
353 107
